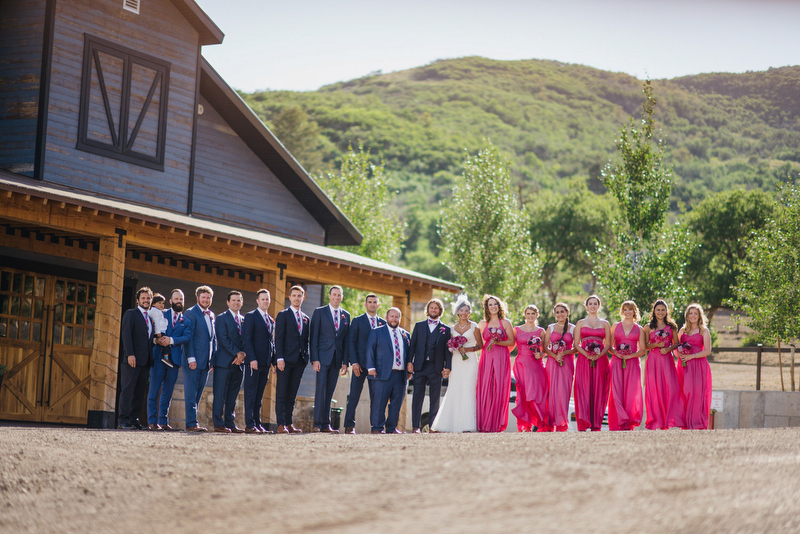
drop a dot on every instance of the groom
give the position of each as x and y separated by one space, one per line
387 354
429 360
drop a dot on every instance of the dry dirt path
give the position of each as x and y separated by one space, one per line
78 480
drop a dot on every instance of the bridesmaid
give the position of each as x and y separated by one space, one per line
593 340
663 399
695 378
494 368
560 368
625 400
532 381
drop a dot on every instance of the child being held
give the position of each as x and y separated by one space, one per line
156 314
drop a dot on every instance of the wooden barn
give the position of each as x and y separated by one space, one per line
125 160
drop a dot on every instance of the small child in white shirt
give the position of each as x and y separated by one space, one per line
156 314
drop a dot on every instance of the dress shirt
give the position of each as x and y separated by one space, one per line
147 321
295 311
373 321
397 338
333 314
432 327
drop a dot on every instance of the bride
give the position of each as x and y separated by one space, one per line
458 412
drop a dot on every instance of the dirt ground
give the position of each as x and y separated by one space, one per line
79 480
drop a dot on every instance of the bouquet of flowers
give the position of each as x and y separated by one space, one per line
456 343
592 345
558 347
624 349
495 335
662 335
684 349
535 344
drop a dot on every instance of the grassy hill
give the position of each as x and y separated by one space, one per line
556 122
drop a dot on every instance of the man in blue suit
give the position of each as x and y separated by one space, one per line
163 377
136 333
387 355
227 364
291 351
329 328
357 354
259 347
198 353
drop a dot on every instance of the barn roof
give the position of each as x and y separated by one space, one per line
208 31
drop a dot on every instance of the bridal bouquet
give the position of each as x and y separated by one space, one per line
684 349
456 343
592 345
558 347
624 349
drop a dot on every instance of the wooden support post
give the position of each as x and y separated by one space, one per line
405 321
758 367
105 350
275 282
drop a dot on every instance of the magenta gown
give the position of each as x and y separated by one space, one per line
560 384
532 383
494 385
625 400
695 380
662 392
591 383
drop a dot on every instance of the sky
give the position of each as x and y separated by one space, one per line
302 45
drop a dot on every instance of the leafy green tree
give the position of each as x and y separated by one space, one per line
722 226
299 134
486 239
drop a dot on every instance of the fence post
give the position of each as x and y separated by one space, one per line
758 368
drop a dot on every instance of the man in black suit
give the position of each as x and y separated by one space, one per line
259 348
228 364
329 328
357 354
136 333
429 361
291 351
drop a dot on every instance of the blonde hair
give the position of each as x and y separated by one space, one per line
534 308
702 320
630 304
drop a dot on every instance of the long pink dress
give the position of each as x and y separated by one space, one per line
494 385
591 383
695 380
532 383
662 393
625 400
560 383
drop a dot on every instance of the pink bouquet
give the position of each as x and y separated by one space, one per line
592 345
457 342
535 344
558 347
495 335
662 335
624 349
684 349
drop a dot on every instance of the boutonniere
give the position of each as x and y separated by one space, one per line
305 320
443 329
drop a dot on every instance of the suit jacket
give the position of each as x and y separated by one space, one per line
329 346
357 339
230 341
202 344
380 351
419 338
178 335
135 340
258 339
290 344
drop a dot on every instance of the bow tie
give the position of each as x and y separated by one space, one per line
432 322
207 313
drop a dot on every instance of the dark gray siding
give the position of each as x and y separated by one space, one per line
159 31
21 34
232 184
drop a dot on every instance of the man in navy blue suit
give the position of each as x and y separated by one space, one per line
291 351
163 377
329 328
259 347
136 333
228 365
357 354
429 361
387 355
198 353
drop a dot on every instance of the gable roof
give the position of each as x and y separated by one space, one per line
243 120
208 31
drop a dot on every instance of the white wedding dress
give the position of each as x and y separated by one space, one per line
458 410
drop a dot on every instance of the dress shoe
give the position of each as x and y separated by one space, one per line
316 429
396 431
282 430
378 432
137 425
416 431
196 428
264 430
168 428
222 429
294 430
434 432
126 426
236 430
249 430
329 429
349 430
154 426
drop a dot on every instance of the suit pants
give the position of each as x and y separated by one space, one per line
327 378
254 383
159 396
227 382
356 385
194 382
287 384
427 376
133 384
390 391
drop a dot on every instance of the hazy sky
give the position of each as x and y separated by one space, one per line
304 44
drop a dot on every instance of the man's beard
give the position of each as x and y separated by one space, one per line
177 307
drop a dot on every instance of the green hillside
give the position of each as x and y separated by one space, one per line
556 122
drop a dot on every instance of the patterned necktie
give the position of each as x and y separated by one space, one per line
372 322
299 322
398 361
336 319
174 319
238 324
147 322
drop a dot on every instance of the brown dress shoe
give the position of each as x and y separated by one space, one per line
282 430
168 428
416 431
329 429
249 430
196 428
349 430
222 429
154 426
378 432
396 431
265 431
294 430
237 430
316 429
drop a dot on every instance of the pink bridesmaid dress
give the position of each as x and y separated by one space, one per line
591 383
532 383
625 400
695 380
662 392
494 384
560 384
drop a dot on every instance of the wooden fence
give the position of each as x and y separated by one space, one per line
759 350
